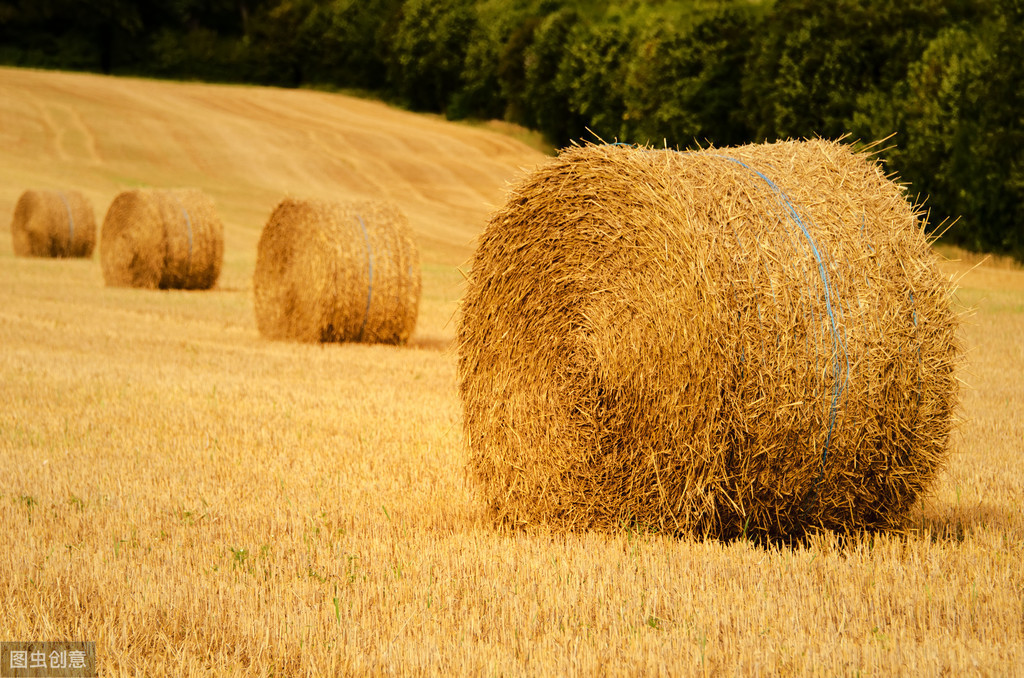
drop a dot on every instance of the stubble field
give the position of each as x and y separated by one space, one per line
198 500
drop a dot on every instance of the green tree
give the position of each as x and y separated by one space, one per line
960 131
592 75
428 51
280 43
511 70
997 176
349 42
69 34
813 60
546 104
493 69
683 84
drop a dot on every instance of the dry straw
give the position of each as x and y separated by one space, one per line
733 341
167 239
328 271
53 224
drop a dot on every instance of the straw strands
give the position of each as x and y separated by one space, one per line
329 271
749 340
53 224
167 239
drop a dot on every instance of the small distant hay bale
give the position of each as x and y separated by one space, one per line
166 239
334 272
53 224
750 340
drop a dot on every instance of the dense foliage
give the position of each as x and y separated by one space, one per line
945 76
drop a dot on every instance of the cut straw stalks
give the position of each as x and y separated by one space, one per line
334 272
735 341
53 224
166 239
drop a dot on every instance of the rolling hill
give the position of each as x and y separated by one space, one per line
249 147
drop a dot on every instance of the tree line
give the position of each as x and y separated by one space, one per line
945 76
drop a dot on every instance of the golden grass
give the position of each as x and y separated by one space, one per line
198 500
991 261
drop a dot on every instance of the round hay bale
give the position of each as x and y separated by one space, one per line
750 340
166 239
53 224
328 272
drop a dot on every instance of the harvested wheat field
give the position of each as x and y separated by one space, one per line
199 500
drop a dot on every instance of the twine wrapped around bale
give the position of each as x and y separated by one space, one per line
166 239
53 224
331 272
749 340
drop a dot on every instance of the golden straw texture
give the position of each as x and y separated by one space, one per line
329 271
167 239
53 224
749 340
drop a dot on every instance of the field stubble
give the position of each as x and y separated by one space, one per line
198 500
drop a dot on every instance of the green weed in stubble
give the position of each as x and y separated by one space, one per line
238 557
312 530
30 503
353 568
430 588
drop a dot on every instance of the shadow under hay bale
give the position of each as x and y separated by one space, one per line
166 239
750 340
332 272
53 224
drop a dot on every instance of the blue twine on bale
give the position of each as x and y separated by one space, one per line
369 267
840 386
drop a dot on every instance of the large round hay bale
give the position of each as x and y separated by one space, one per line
329 271
750 340
166 239
53 224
